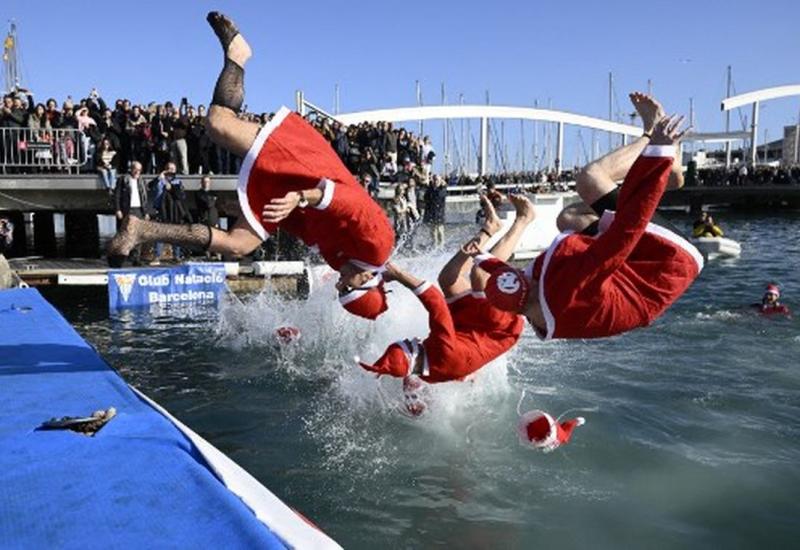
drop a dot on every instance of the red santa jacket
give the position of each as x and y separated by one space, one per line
290 155
453 352
627 275
347 225
464 336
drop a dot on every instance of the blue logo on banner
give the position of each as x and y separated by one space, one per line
203 282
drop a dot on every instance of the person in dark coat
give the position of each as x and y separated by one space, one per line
435 201
207 204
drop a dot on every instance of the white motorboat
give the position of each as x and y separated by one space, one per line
718 247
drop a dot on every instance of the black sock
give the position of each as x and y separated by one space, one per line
229 91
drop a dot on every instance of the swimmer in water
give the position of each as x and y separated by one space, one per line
770 302
290 179
466 331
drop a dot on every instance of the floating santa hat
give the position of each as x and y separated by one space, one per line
507 287
287 334
415 395
540 431
368 301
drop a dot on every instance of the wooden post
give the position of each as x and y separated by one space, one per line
81 235
44 234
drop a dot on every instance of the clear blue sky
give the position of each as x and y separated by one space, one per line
520 50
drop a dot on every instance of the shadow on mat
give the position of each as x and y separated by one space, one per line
41 358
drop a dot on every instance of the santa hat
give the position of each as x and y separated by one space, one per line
539 430
773 289
507 287
414 395
287 334
367 301
393 362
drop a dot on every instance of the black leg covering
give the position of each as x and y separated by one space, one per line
229 91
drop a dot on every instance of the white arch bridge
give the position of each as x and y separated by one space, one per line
486 112
483 113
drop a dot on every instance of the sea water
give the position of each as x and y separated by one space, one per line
692 437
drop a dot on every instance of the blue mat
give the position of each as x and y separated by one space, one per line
138 483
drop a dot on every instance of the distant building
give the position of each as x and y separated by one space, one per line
791 151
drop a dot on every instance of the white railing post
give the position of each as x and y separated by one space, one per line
560 147
754 134
482 165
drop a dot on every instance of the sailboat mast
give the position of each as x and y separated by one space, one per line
728 122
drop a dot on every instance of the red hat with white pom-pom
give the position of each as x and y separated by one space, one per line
541 431
368 301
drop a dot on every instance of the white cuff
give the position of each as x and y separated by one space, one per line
659 151
422 288
482 257
327 187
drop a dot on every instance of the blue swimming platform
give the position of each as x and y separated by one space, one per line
143 481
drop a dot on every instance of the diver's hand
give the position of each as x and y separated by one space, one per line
668 131
471 248
280 208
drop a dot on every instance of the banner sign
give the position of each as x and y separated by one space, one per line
200 282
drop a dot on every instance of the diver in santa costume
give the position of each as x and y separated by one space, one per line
466 331
291 179
616 270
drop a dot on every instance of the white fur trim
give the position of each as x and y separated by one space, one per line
369 267
479 294
482 257
549 443
422 288
411 354
659 151
354 295
580 421
247 166
351 296
661 231
327 187
549 319
456 297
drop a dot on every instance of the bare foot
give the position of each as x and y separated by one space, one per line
523 206
492 223
233 43
648 108
123 242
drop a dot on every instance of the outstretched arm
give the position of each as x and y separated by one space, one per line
439 318
504 248
639 197
453 278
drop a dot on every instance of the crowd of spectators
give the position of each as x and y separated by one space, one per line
108 139
378 150
742 175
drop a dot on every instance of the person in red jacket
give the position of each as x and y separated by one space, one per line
290 178
617 279
466 331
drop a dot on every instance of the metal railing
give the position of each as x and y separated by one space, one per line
63 149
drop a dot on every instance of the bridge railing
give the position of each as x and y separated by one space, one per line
62 149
